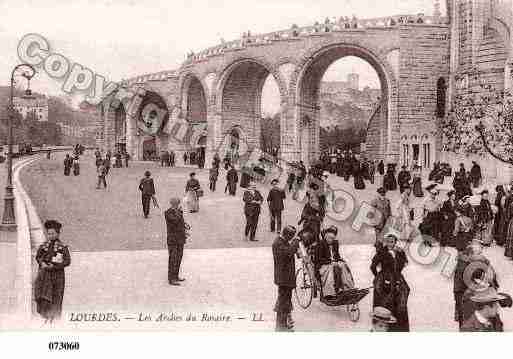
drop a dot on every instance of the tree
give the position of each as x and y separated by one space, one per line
480 121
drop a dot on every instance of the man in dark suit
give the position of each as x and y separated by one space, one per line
252 202
487 305
176 234
147 188
284 250
275 200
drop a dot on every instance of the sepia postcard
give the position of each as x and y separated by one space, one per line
234 166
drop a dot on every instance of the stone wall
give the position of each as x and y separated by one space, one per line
424 59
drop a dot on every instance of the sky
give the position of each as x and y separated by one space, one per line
121 39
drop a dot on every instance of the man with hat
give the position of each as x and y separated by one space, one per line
275 201
382 318
487 308
147 188
284 251
176 235
382 206
252 203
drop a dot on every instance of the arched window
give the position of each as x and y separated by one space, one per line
440 97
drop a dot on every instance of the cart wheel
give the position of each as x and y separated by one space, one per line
354 312
304 288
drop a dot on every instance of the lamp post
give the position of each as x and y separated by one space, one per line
8 217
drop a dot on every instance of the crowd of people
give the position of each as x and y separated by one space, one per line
458 221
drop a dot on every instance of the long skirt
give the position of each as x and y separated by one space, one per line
49 292
430 227
417 187
67 170
463 239
484 234
389 182
508 245
192 201
447 237
76 170
358 182
336 277
393 295
498 228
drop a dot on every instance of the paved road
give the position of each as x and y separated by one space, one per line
97 220
119 265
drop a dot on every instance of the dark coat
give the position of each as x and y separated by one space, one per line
381 168
147 187
390 288
403 178
325 253
275 199
232 176
484 212
251 209
475 172
448 217
175 226
284 262
192 185
50 282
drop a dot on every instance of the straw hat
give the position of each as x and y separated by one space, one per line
383 315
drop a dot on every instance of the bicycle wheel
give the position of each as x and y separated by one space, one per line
354 312
304 288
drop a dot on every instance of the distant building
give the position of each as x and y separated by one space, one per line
35 104
353 81
78 131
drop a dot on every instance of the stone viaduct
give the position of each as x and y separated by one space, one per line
216 93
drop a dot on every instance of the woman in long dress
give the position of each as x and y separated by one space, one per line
417 182
485 219
390 288
358 174
389 181
191 191
52 257
448 217
498 231
463 229
404 209
431 223
76 166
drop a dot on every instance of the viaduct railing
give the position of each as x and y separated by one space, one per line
344 24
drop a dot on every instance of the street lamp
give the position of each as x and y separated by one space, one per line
8 218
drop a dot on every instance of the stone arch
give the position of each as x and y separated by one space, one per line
193 98
224 74
238 94
304 96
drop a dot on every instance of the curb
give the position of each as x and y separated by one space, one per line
23 279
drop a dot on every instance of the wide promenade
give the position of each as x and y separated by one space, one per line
119 259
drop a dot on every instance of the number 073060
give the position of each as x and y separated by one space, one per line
62 346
